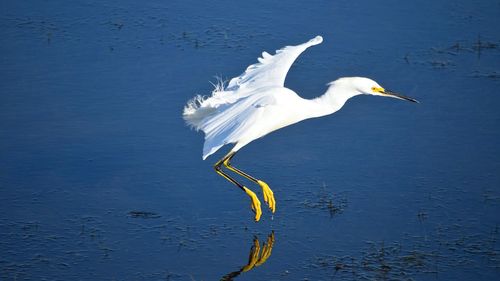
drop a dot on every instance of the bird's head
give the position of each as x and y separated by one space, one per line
369 87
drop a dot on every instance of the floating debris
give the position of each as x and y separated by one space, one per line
441 63
491 75
144 215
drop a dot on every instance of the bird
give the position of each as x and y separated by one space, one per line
257 103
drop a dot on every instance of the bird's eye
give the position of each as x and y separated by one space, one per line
374 89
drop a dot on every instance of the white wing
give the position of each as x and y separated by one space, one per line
271 70
231 113
233 122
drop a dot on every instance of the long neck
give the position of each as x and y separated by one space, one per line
331 101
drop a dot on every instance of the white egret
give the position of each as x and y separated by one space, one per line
257 103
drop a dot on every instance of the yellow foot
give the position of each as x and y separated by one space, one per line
255 203
266 250
254 256
268 195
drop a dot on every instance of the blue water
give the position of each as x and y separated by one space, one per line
101 180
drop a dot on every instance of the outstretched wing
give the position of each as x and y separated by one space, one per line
271 70
234 122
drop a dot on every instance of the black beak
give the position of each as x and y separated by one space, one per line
398 96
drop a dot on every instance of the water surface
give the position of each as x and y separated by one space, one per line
101 180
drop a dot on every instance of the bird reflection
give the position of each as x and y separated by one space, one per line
257 257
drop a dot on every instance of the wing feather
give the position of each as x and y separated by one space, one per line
233 122
271 70
230 114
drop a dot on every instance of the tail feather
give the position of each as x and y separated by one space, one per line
194 112
200 107
210 115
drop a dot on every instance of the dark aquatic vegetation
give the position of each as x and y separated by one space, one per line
323 199
143 215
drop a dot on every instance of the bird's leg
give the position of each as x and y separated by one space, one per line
266 191
266 250
255 201
258 257
254 255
